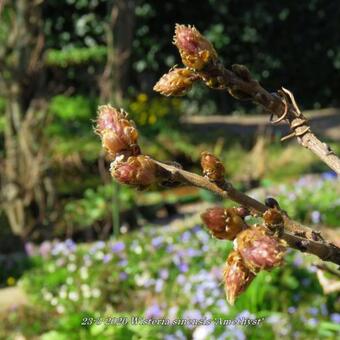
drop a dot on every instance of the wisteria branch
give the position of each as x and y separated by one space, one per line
256 247
202 63
295 234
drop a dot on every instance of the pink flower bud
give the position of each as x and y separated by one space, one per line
118 134
138 171
176 82
224 224
237 277
212 167
195 50
259 250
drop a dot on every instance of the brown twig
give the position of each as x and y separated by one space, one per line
200 58
281 104
297 235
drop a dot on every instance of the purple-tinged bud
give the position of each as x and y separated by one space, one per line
195 50
212 167
237 277
177 82
118 134
139 171
224 224
259 250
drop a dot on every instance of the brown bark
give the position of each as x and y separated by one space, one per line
25 189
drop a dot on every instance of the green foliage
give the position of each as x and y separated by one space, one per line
76 56
96 205
77 108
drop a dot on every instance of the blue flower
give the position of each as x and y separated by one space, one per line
123 263
298 260
107 258
118 247
312 322
185 237
157 242
123 276
99 245
159 285
316 216
59 248
313 311
335 317
291 310
181 279
70 244
183 267
154 311
329 175
192 314
164 274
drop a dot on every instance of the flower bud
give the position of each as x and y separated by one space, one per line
177 82
195 50
212 167
273 220
118 134
138 171
259 250
237 277
224 224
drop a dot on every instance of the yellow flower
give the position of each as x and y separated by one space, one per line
142 97
152 119
11 281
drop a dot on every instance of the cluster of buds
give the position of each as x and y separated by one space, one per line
199 57
120 139
256 248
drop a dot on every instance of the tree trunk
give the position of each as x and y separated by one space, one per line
23 177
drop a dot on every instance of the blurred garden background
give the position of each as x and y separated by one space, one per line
77 248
